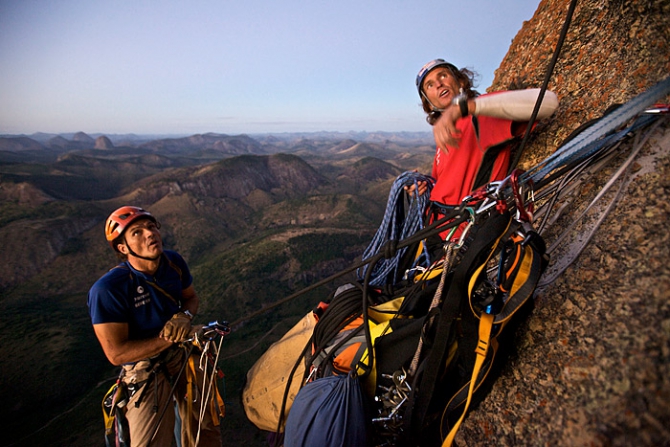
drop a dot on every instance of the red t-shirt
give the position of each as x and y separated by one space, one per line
455 171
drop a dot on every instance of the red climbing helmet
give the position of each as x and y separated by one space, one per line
119 220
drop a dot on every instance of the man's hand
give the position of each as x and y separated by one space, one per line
177 328
420 186
444 129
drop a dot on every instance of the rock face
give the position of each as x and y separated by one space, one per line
613 50
592 362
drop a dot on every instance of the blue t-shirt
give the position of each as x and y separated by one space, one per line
145 302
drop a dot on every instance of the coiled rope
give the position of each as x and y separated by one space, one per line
396 225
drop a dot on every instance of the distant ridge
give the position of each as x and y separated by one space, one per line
81 137
19 144
283 175
132 139
233 145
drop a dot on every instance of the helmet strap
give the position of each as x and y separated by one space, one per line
435 109
130 251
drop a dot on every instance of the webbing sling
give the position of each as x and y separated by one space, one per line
526 270
525 273
117 432
532 265
485 326
586 143
165 293
215 403
191 390
485 240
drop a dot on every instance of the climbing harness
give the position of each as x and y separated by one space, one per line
144 375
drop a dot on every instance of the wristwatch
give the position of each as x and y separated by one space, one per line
462 102
188 313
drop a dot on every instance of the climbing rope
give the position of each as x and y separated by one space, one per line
545 84
584 238
544 171
397 225
586 143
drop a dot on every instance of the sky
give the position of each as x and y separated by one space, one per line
252 66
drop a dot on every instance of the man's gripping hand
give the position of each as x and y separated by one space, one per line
177 328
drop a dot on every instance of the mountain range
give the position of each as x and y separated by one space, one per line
590 366
256 218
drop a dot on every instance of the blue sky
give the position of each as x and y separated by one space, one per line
195 66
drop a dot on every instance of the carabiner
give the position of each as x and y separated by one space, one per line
524 213
466 230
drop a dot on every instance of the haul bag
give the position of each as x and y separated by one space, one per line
328 412
267 379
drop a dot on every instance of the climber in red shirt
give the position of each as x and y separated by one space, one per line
472 132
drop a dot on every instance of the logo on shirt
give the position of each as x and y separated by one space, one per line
143 298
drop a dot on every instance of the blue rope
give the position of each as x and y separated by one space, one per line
397 226
585 144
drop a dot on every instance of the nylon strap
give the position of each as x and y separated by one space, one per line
486 239
153 284
216 405
525 281
109 416
217 408
524 284
485 325
191 387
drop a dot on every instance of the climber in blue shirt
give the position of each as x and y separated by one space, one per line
141 311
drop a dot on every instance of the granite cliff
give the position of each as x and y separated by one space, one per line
591 365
